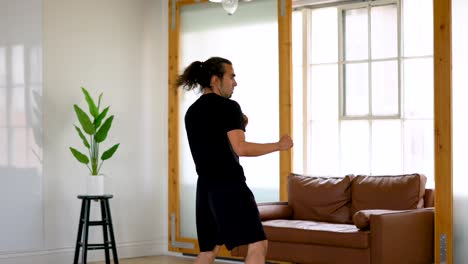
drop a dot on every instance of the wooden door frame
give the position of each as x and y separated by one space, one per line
285 112
443 131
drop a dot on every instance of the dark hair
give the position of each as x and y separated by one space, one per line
199 73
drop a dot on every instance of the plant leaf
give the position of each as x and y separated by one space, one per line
99 102
110 152
85 141
101 134
93 110
79 156
84 120
100 117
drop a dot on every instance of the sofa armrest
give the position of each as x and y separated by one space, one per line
361 218
399 235
275 210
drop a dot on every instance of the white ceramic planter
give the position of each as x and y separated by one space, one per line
95 185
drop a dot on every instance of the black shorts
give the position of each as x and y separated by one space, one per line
227 214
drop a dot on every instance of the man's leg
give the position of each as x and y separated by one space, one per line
207 257
256 252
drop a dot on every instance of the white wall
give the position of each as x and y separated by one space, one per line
118 47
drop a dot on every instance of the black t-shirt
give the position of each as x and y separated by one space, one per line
207 122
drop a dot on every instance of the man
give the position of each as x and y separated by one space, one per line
226 211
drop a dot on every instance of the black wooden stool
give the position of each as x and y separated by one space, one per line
107 229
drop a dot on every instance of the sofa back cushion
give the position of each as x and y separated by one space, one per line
396 192
326 199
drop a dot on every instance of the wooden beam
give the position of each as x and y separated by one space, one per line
173 125
443 130
285 88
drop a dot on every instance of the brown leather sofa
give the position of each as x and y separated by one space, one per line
351 220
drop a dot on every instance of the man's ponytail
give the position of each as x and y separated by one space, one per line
189 79
199 73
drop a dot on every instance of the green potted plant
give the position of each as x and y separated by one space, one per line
93 132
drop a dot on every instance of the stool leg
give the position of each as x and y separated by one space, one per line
104 230
86 230
80 232
111 231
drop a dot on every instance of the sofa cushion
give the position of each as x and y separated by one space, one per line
325 199
318 233
397 192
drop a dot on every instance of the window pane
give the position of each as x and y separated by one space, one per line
356 90
384 31
324 35
324 92
355 147
323 148
298 93
386 147
298 121
385 92
355 34
418 86
419 148
297 37
417 25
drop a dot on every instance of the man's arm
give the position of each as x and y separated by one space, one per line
249 149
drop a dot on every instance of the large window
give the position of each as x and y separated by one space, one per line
366 88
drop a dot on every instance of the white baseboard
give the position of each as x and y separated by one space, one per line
61 256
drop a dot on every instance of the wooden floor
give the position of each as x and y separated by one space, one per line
162 260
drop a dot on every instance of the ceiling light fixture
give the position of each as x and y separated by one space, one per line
229 5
